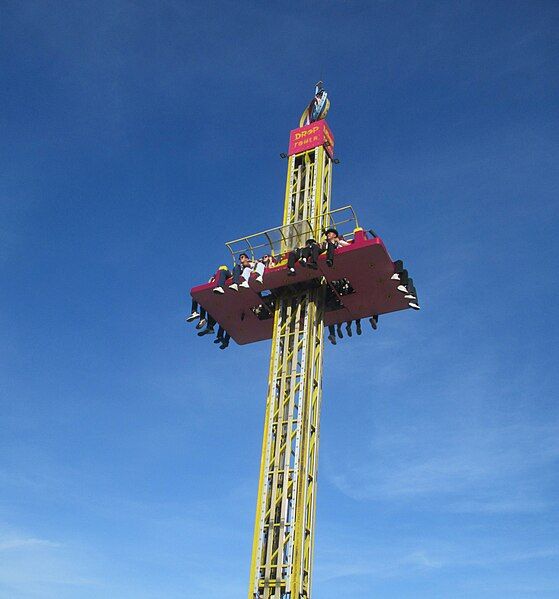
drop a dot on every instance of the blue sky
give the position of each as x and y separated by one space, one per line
137 138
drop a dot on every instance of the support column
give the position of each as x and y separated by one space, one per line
281 566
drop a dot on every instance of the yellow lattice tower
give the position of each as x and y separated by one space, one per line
285 512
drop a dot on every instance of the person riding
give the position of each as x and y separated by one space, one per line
310 253
222 337
223 273
405 285
240 274
307 256
243 270
194 311
211 322
333 241
357 327
268 260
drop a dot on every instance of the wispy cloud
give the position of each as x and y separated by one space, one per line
31 566
377 565
11 543
429 556
477 469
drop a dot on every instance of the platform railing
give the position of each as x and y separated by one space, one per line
271 241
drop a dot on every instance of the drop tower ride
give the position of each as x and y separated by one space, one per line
293 311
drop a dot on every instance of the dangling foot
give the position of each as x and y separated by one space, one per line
291 272
414 305
201 324
339 331
330 262
207 331
348 330
395 277
234 287
373 322
193 316
224 344
218 340
245 285
218 290
358 328
260 280
332 339
402 288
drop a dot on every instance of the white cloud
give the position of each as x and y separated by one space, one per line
404 557
473 469
31 566
11 543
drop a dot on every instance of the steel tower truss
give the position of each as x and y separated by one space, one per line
285 513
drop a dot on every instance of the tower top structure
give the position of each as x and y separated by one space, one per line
318 107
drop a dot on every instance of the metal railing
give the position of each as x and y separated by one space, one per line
274 241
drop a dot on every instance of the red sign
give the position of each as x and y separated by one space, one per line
311 136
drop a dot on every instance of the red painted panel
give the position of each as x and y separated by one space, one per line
311 136
368 267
